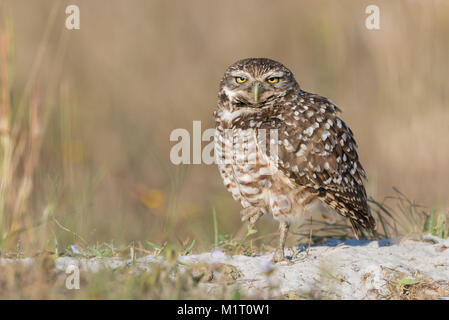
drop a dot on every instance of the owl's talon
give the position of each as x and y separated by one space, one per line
278 256
251 214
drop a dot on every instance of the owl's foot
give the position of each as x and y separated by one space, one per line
251 214
279 256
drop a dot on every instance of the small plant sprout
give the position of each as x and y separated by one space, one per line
189 247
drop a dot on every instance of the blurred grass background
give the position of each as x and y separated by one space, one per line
86 114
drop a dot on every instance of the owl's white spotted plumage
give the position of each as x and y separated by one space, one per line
315 159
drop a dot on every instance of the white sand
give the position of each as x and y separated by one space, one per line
351 269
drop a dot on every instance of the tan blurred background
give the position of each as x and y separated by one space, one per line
138 69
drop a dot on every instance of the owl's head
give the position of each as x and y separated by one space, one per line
254 82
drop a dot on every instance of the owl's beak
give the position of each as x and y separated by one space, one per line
256 91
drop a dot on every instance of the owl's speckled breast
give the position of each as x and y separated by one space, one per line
253 178
244 173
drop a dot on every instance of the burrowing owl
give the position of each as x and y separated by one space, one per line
261 106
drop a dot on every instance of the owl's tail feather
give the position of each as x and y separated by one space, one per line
370 225
359 215
355 229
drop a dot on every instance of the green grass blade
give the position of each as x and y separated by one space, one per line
214 215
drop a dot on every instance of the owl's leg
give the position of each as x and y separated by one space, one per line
279 253
251 214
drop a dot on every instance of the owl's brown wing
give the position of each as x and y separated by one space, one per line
317 150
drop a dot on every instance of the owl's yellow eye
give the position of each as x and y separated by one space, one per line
273 80
240 79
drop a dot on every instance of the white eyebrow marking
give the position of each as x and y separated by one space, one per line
240 74
279 74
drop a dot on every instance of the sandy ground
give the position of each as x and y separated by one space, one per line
352 269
